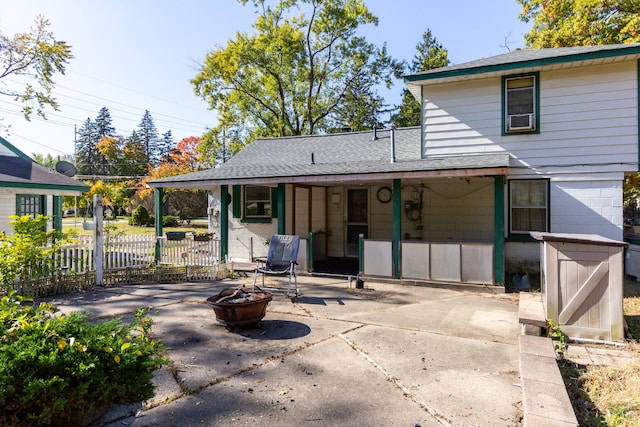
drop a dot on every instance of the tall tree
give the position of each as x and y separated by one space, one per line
184 158
38 55
166 144
148 136
86 149
102 128
292 75
125 156
558 23
430 54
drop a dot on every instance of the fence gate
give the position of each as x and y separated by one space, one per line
583 285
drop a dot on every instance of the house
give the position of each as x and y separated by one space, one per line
531 140
27 188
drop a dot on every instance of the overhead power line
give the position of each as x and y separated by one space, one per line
173 122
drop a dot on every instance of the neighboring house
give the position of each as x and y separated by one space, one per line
27 188
532 140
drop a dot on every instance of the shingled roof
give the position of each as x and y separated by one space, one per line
19 171
333 157
527 59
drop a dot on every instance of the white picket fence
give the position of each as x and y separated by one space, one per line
137 250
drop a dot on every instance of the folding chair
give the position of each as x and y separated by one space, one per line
282 258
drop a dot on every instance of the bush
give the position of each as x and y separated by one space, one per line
140 216
60 369
28 253
169 221
152 221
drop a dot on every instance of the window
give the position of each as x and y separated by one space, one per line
529 206
30 205
520 104
257 202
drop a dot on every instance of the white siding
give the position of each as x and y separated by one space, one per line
7 207
588 121
582 207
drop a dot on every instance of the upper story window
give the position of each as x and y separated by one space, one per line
521 103
528 206
31 205
257 202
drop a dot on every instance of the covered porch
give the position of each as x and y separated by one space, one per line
445 225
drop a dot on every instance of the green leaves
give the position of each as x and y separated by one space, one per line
35 53
69 365
28 252
301 69
559 23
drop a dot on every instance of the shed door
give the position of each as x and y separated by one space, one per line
357 219
588 295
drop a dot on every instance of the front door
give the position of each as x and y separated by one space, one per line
357 219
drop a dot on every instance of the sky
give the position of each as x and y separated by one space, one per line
137 55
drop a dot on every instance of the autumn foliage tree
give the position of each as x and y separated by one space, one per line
184 158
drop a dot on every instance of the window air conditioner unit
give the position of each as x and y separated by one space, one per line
520 122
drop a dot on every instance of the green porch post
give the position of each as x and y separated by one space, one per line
397 226
281 209
498 226
159 195
224 222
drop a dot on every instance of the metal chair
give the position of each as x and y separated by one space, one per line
282 258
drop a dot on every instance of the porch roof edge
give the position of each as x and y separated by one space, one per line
329 179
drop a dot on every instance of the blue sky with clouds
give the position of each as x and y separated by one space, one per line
137 55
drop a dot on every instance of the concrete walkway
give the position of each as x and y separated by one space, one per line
387 355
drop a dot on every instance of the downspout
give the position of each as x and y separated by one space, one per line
224 222
159 195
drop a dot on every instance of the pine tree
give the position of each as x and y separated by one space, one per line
148 135
166 145
102 127
86 150
429 55
103 123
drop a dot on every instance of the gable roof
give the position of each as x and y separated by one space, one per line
17 170
329 158
526 60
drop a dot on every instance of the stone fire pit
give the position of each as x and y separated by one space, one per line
236 307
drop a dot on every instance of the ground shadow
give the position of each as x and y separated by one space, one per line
584 408
275 330
316 300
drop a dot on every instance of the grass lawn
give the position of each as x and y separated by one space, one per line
121 226
609 395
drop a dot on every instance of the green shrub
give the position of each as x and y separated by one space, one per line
28 253
170 221
152 221
140 216
57 369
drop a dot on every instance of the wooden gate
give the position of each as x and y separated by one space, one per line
583 285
